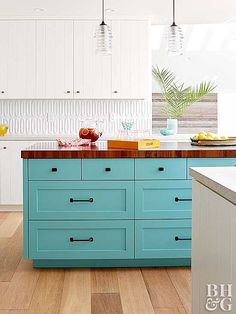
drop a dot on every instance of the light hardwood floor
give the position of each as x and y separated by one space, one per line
84 291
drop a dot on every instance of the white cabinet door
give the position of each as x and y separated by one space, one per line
11 180
54 59
131 60
17 55
4 38
92 72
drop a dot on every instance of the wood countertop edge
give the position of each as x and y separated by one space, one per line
171 153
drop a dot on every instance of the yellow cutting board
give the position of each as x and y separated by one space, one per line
133 143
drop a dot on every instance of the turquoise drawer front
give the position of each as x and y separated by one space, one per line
163 199
55 169
160 168
81 200
108 169
163 238
97 240
210 162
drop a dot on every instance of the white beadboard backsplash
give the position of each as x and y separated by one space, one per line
65 117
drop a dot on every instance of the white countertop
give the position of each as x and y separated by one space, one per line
221 180
11 137
39 138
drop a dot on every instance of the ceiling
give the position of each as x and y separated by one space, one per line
188 11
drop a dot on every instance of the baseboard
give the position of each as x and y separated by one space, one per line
40 263
11 208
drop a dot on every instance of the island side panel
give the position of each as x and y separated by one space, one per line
26 208
212 243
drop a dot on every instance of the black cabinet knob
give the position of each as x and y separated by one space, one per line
2 92
68 92
54 169
77 92
161 169
115 92
107 169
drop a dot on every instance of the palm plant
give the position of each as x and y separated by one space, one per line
177 96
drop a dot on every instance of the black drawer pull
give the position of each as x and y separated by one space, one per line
183 199
81 240
182 239
90 200
107 169
54 169
161 169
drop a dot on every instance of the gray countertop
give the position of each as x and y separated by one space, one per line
221 180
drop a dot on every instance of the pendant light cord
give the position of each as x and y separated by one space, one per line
173 24
103 13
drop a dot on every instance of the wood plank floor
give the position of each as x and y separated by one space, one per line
25 290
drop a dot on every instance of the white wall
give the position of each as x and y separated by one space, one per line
209 53
227 113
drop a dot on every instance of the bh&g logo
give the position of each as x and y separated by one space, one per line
219 296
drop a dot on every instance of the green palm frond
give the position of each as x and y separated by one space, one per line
177 96
165 78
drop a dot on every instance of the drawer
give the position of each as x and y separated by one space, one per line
108 169
163 238
81 240
163 199
210 162
81 200
55 169
160 168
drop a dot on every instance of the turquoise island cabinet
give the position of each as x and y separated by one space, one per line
94 207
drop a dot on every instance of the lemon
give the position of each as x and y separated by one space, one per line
209 137
3 129
223 137
201 136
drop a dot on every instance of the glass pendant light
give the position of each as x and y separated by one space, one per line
175 37
103 36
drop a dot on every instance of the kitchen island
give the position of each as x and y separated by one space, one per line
100 207
214 239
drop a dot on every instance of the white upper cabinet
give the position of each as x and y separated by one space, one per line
131 62
17 55
57 59
92 72
54 59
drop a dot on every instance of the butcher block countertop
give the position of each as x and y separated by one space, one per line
100 150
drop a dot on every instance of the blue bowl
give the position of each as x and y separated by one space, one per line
167 131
